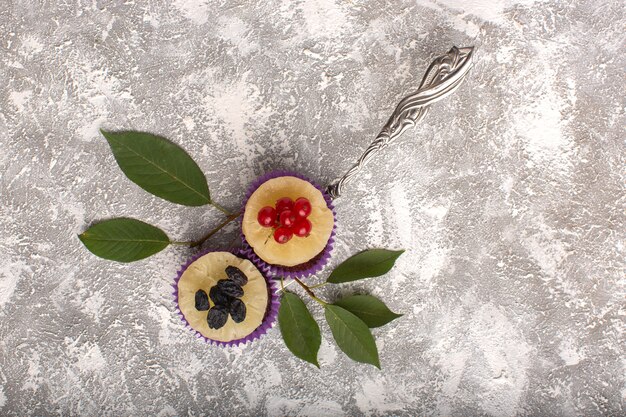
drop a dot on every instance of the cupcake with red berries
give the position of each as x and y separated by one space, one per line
288 225
225 299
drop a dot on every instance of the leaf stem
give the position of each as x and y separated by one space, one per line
311 294
318 285
176 242
221 208
214 231
283 285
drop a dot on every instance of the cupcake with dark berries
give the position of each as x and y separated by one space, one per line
288 225
225 298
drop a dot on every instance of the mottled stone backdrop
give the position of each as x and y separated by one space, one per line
509 199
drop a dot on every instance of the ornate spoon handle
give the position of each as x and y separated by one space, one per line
442 78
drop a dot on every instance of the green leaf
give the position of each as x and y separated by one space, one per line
124 240
370 309
300 331
160 167
352 335
367 264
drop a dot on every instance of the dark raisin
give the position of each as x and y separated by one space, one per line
228 287
236 275
202 301
238 310
217 317
218 297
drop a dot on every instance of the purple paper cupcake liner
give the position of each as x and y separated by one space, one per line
299 271
270 314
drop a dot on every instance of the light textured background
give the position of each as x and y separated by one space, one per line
509 199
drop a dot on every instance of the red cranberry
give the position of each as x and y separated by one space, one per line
284 203
302 228
302 207
267 216
287 218
283 235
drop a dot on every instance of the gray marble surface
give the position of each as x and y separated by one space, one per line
509 199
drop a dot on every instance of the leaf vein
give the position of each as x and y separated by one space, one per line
162 169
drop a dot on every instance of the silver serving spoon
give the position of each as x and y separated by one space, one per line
442 78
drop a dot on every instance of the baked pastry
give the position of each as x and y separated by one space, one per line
225 298
288 225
